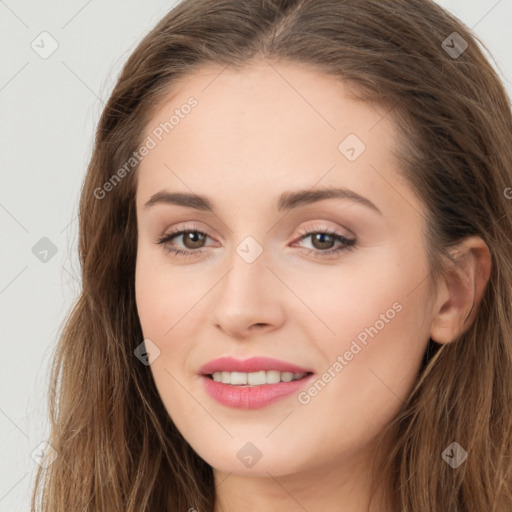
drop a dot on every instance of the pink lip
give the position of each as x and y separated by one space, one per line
253 364
251 397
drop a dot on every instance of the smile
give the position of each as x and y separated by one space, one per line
255 378
247 390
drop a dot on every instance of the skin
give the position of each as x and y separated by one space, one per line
254 134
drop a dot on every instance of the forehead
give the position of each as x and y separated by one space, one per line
264 128
290 101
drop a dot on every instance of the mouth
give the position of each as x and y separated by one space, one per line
252 383
254 390
258 378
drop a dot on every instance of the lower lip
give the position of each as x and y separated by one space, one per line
251 397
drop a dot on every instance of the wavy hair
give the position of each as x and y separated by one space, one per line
117 447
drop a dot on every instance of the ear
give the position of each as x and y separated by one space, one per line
461 289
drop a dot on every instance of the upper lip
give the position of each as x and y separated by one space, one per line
253 364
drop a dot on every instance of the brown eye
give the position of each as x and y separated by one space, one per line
322 241
192 239
191 243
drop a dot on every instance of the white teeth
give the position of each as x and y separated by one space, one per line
255 378
273 377
286 376
238 378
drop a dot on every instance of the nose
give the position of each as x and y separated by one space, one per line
248 299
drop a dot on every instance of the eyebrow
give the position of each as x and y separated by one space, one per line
286 201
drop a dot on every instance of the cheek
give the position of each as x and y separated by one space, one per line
164 294
371 367
352 296
378 323
162 308
150 302
171 306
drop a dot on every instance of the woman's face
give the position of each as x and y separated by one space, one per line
350 310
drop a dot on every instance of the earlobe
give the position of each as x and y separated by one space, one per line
462 290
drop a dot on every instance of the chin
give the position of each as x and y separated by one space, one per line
248 460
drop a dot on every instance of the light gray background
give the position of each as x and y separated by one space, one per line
49 109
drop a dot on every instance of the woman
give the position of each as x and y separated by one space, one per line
221 356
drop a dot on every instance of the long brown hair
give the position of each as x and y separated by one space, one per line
117 447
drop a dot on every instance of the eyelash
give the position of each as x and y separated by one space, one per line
347 244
